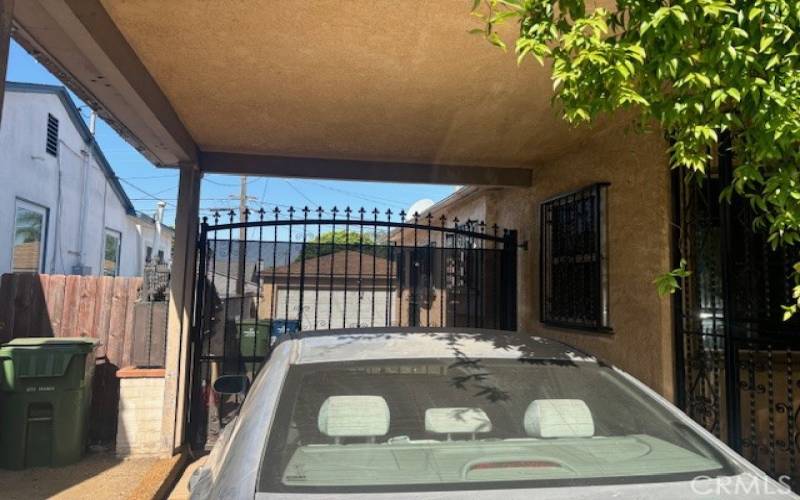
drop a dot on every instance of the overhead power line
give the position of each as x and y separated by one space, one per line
371 199
152 196
301 193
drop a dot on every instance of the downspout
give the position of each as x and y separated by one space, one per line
157 233
140 249
103 231
87 157
57 219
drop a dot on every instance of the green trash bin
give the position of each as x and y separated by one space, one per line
45 395
254 338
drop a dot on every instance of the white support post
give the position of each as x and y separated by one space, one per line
6 16
181 299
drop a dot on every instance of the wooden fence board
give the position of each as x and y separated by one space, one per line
69 314
55 302
86 308
8 285
41 319
23 304
69 306
102 314
116 321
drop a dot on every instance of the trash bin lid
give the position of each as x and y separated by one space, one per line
35 357
45 342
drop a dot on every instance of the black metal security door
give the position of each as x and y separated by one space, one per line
738 362
271 274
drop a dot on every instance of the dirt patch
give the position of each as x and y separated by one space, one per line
98 476
181 490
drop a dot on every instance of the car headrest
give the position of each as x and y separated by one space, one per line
457 420
555 418
354 416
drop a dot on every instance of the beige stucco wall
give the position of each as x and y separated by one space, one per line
638 246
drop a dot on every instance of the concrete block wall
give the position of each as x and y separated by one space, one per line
141 399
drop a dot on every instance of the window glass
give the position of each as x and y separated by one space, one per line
445 424
30 226
111 253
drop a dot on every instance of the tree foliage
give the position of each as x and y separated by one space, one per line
337 241
697 69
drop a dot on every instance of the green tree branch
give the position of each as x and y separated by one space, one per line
695 68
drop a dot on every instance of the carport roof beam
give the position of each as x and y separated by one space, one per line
364 170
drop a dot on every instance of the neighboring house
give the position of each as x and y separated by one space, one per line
452 262
344 289
62 208
155 238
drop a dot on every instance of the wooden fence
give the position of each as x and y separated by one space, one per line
102 307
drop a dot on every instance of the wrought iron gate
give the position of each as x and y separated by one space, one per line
738 363
271 274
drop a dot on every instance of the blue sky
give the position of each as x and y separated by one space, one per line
145 183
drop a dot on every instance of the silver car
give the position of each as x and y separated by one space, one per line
434 413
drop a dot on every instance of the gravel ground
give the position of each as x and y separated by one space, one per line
98 476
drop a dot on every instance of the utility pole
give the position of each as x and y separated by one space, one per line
242 237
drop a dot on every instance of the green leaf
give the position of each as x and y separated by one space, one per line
495 40
667 283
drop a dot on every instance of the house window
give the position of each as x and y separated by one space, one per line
148 255
160 256
30 234
574 267
111 251
52 135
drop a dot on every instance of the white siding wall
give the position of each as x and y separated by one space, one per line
164 243
28 172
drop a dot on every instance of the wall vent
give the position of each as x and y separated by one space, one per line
52 135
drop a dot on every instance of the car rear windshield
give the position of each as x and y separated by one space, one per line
465 424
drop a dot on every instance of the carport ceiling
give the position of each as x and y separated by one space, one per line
373 80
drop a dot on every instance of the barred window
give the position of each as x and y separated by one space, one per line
574 267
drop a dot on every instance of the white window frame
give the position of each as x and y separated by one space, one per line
118 235
44 212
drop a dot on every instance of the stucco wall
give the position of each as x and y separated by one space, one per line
27 172
638 248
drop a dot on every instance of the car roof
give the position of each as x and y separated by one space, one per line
402 343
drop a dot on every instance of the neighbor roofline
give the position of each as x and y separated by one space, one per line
150 220
83 129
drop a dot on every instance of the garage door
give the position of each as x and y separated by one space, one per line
323 309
